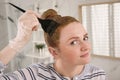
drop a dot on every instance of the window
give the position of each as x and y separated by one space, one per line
116 19
102 22
99 14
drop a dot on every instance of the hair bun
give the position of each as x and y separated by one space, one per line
50 13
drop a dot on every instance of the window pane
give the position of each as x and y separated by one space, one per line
117 28
99 16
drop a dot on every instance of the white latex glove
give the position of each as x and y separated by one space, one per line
26 24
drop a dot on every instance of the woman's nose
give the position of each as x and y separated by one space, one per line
85 46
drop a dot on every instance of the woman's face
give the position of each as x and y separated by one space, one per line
74 48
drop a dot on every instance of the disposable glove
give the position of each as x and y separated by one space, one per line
26 24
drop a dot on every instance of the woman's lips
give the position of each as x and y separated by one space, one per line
84 55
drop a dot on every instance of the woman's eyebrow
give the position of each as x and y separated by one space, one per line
86 34
76 37
73 38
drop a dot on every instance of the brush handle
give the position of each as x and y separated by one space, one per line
22 10
17 7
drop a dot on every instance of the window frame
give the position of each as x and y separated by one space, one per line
111 25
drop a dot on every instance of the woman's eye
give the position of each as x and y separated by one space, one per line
74 42
85 38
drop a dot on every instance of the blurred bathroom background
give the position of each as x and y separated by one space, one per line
101 18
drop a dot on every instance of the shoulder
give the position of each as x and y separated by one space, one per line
33 71
94 72
34 68
40 67
92 68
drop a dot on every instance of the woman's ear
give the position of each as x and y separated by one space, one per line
53 51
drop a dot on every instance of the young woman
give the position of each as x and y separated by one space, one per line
67 42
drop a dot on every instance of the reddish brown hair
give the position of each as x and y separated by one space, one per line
53 40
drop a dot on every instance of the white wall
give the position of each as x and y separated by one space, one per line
3 25
110 65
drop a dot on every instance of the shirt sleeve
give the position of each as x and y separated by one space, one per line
2 67
28 73
9 76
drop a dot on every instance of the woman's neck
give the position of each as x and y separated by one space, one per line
68 70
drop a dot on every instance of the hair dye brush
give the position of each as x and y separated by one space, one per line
48 25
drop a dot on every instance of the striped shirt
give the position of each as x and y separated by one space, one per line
47 72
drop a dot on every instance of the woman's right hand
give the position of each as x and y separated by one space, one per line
27 23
